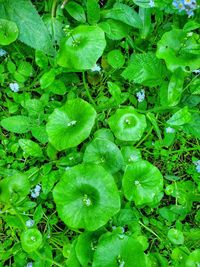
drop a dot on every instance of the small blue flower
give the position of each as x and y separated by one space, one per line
197 163
2 52
30 223
140 95
187 5
170 130
198 168
14 87
96 68
151 3
36 191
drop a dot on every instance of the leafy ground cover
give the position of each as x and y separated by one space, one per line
100 129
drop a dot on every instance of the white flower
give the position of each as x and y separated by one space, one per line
71 123
122 264
170 130
189 34
30 223
196 71
14 87
29 264
132 158
2 52
151 3
140 95
36 191
96 68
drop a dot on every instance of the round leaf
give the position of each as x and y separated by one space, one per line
116 59
8 32
14 188
71 124
31 240
175 236
178 50
86 197
127 124
86 244
118 250
142 183
105 153
193 259
82 48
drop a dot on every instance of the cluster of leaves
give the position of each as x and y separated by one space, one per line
100 129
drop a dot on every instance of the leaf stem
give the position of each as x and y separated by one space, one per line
47 259
150 230
53 8
87 90
145 137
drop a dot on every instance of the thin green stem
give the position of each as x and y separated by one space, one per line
53 8
185 150
145 137
20 217
150 230
88 91
48 259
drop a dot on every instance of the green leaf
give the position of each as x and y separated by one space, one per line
82 48
30 25
193 258
57 87
8 32
143 183
30 148
48 181
181 117
25 69
193 126
195 87
124 14
115 59
47 79
14 188
34 107
115 91
86 197
76 11
118 249
175 87
39 133
17 124
85 247
130 154
153 120
175 236
93 11
31 240
104 133
71 124
179 51
105 153
145 16
41 59
127 124
144 69
115 30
